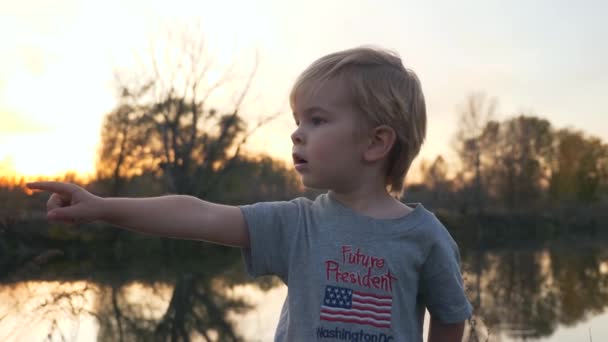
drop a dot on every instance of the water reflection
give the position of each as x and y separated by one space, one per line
165 291
201 294
190 309
530 293
36 311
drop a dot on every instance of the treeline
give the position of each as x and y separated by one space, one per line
180 127
248 180
519 164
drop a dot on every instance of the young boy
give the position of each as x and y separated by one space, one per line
359 264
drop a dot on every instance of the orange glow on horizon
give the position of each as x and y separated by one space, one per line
15 177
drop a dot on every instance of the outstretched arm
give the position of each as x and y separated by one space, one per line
176 216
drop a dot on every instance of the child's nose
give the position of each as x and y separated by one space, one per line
296 137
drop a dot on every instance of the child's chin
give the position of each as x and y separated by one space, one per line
312 183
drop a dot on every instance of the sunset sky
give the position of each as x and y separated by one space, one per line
57 59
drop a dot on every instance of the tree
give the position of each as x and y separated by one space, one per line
579 166
436 179
164 122
519 158
124 152
474 117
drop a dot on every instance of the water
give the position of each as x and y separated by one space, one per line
555 292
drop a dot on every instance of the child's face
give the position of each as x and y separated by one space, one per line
327 144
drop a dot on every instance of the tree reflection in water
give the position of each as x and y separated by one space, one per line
177 291
529 293
195 309
186 293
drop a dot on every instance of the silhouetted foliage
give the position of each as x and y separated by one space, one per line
470 142
165 124
579 167
521 186
523 163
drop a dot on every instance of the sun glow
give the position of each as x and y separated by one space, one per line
57 64
56 76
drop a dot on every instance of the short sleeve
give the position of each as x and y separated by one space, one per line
271 227
442 287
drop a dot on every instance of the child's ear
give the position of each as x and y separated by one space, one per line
381 140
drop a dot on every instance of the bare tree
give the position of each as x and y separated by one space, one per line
166 121
123 150
524 143
436 179
476 113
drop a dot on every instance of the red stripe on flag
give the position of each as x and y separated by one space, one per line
361 307
347 312
368 301
372 295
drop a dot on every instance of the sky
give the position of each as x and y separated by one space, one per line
58 59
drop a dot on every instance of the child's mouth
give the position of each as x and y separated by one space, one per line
299 162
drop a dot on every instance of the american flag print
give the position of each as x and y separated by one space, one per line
342 304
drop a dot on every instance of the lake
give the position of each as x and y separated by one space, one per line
554 291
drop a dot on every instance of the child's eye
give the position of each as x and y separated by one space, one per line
317 121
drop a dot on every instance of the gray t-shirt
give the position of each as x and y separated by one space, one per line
351 277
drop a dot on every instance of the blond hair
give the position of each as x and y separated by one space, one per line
386 93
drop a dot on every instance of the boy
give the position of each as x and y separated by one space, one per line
359 264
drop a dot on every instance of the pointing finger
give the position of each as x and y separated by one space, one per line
59 187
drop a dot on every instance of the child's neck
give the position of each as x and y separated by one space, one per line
371 201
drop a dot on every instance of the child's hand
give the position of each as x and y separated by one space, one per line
69 203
